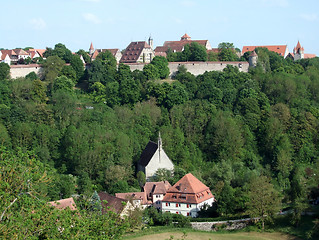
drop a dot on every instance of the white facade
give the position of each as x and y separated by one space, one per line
186 209
158 161
146 56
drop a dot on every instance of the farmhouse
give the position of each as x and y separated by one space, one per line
115 204
187 197
155 192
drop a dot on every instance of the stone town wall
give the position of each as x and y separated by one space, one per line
17 71
195 68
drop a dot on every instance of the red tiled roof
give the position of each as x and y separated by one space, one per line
214 50
20 51
133 196
156 188
91 46
178 46
280 49
133 51
111 203
308 55
64 203
188 190
97 51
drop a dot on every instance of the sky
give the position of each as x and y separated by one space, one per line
115 23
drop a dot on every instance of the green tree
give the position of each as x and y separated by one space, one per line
162 65
264 200
141 178
63 83
4 71
52 67
227 52
198 52
77 65
151 72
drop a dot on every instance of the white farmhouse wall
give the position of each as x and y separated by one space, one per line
159 160
186 209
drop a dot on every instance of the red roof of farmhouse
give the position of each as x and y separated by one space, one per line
64 203
188 190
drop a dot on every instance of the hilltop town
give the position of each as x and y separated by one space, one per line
139 53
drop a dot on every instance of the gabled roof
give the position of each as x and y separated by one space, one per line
188 190
156 188
97 51
185 37
20 51
280 49
111 203
133 196
133 51
148 153
64 203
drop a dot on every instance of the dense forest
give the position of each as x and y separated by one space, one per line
75 131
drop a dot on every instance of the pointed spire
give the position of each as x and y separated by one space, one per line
91 46
159 139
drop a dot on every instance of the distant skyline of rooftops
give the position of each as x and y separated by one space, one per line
114 24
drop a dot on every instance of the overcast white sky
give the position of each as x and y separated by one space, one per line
114 24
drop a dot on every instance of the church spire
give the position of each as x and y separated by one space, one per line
91 50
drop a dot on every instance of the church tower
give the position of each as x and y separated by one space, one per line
150 41
91 50
299 52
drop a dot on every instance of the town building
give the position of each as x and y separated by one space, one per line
138 52
115 52
299 53
282 50
64 203
155 192
178 46
187 197
154 158
13 56
118 205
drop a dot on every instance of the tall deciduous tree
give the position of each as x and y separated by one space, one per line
264 200
162 65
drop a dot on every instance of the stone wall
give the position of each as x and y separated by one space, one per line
225 225
17 71
195 68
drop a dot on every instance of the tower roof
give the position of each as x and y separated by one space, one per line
186 37
253 54
91 46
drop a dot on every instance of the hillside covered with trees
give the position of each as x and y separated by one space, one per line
74 131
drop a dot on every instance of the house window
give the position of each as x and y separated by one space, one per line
176 212
190 205
157 196
188 214
187 205
176 204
